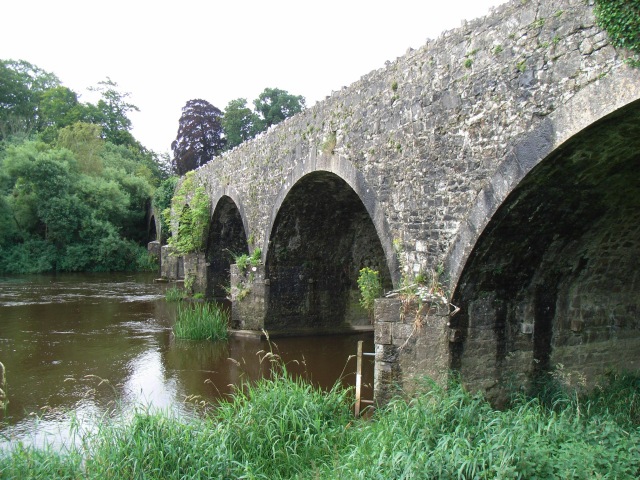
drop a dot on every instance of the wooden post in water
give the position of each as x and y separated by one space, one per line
3 396
358 377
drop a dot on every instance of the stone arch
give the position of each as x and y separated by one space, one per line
226 238
554 230
588 106
348 173
321 235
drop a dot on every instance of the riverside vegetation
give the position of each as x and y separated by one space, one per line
201 321
283 427
74 182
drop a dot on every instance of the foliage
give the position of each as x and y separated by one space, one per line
199 136
70 214
174 294
274 105
74 184
190 211
370 288
621 20
111 112
283 427
162 201
22 86
202 321
240 123
243 261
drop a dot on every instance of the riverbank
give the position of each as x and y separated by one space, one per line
286 428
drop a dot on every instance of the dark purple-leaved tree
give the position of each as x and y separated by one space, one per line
200 136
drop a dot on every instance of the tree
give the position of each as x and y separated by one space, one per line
59 107
274 105
83 139
240 123
199 136
21 87
111 112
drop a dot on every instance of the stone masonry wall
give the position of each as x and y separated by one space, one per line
430 128
424 139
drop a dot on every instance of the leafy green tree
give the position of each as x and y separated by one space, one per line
21 87
240 123
199 136
112 112
84 140
75 186
274 105
59 106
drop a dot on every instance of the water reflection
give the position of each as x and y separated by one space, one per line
77 345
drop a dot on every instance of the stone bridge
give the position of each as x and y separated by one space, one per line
499 165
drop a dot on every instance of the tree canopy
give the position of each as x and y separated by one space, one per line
200 136
240 123
204 131
274 105
75 185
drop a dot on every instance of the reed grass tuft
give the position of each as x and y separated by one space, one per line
174 294
201 321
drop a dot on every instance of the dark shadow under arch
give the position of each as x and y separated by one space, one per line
226 239
152 233
321 237
554 278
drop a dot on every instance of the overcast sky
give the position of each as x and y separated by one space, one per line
166 53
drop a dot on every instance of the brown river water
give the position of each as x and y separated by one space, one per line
75 345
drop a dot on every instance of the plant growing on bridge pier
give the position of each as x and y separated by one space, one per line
190 215
370 288
243 262
621 20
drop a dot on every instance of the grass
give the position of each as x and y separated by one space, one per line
201 321
174 294
283 427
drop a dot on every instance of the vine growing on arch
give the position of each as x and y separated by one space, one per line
189 210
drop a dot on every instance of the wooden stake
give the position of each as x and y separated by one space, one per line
358 378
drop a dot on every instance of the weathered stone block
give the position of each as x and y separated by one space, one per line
382 333
387 310
386 353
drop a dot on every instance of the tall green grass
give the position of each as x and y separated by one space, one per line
285 428
174 294
201 321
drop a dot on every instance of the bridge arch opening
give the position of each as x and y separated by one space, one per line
554 279
152 233
321 237
226 239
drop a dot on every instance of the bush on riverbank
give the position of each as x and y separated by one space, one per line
285 428
202 321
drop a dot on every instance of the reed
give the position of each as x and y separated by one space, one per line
174 294
201 321
284 427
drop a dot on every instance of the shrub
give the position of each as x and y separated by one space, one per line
370 288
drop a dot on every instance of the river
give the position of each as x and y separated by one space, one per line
76 345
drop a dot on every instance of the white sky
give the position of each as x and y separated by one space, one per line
165 53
